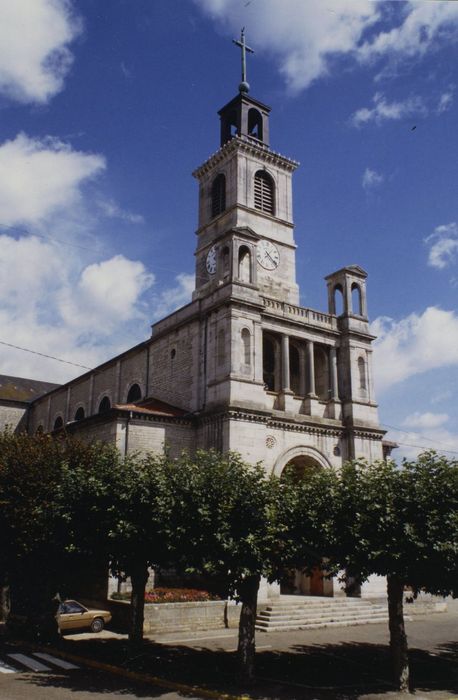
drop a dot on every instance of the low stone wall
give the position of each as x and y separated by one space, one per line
179 617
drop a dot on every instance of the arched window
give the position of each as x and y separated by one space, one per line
321 373
58 423
264 190
269 363
338 300
362 374
104 405
294 369
134 394
218 194
244 272
246 346
356 304
255 123
79 415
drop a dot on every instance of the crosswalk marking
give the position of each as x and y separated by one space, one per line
28 662
4 668
53 660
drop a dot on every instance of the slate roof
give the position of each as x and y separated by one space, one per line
23 390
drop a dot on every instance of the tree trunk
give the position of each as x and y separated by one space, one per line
398 638
138 577
248 592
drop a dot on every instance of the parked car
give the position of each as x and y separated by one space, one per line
71 615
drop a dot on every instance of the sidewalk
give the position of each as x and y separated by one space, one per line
351 662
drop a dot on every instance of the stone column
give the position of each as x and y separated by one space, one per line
310 369
302 371
285 383
334 379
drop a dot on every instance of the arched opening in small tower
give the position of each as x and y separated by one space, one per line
79 415
218 195
270 363
246 347
244 271
134 393
255 124
338 300
58 423
321 373
264 192
230 127
356 301
104 405
294 369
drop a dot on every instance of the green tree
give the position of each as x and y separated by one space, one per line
219 521
401 523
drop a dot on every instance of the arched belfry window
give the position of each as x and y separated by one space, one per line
218 195
104 405
255 123
134 393
58 423
264 192
338 300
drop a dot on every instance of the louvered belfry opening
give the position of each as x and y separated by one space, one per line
264 192
218 195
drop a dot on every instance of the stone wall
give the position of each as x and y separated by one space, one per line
179 617
11 416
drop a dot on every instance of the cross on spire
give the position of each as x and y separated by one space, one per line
244 86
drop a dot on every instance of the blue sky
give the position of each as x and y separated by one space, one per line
105 110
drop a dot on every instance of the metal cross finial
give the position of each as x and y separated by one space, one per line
244 86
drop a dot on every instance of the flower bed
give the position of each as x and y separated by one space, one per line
171 595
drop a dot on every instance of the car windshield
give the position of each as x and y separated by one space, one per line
71 606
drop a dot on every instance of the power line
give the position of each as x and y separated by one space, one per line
49 238
42 354
415 432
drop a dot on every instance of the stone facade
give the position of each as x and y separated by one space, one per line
242 367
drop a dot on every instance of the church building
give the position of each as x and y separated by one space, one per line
242 367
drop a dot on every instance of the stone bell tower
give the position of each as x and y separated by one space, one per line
245 230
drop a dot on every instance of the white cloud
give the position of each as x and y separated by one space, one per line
414 345
52 305
174 297
307 37
445 101
371 179
106 294
384 111
426 420
413 443
444 245
40 176
114 211
423 24
34 53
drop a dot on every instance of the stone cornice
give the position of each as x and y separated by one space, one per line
251 147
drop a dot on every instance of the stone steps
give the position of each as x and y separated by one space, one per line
317 613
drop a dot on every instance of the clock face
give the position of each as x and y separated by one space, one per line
267 255
210 261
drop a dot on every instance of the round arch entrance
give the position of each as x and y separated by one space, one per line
302 460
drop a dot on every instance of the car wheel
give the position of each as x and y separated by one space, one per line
97 624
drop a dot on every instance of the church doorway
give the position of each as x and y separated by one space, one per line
296 582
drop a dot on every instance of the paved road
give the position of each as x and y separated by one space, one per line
331 664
